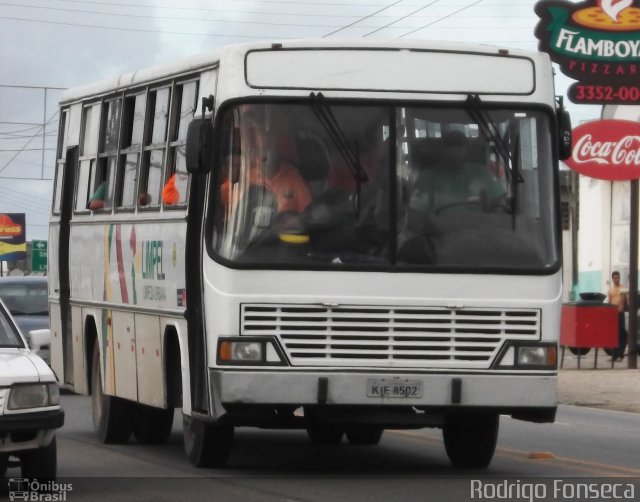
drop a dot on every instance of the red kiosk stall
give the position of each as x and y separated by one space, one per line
588 324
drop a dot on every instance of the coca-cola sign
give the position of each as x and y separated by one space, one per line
607 150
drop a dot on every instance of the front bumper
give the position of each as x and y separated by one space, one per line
25 431
506 393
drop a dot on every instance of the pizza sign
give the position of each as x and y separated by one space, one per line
607 150
596 43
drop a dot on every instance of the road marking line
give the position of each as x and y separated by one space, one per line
587 466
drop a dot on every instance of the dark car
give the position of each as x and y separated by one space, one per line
27 298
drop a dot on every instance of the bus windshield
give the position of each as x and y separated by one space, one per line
333 185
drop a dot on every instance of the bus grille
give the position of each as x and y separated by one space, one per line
395 337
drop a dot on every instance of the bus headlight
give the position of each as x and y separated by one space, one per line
40 395
534 356
242 351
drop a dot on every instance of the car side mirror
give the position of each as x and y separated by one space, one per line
199 147
39 339
564 134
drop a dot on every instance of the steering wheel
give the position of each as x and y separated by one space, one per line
487 205
258 209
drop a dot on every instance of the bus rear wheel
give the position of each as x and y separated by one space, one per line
365 435
152 425
206 445
4 464
470 439
112 417
325 434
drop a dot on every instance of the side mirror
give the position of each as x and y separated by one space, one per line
39 339
564 134
199 154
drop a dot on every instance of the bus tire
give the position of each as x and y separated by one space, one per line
325 434
205 444
470 439
112 417
41 463
364 435
152 425
4 464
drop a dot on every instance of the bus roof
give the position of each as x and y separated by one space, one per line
238 51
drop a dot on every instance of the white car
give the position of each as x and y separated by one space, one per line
30 409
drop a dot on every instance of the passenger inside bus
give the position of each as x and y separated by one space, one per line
273 194
98 198
170 194
352 213
455 182
446 183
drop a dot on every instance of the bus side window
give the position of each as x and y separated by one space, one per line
88 156
155 145
128 164
184 109
60 161
109 137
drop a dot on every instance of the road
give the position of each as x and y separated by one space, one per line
282 465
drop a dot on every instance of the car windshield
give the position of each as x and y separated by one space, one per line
25 298
434 188
9 337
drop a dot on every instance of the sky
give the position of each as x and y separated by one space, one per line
47 45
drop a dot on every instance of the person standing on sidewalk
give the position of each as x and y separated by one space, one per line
617 295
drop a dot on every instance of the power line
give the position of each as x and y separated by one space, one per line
27 149
35 204
41 87
29 141
227 11
173 18
22 178
35 124
403 17
209 9
41 209
442 18
80 25
11 135
362 19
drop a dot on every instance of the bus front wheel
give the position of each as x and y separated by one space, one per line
112 417
364 435
205 444
470 439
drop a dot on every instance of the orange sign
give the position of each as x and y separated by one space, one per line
13 245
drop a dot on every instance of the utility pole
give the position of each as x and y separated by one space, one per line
632 336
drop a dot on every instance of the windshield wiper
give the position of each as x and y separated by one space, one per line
350 155
490 131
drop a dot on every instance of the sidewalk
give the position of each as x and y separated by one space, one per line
612 389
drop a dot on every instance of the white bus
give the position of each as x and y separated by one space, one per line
360 235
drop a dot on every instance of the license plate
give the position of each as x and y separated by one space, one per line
394 388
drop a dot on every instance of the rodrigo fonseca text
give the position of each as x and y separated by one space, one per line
553 489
